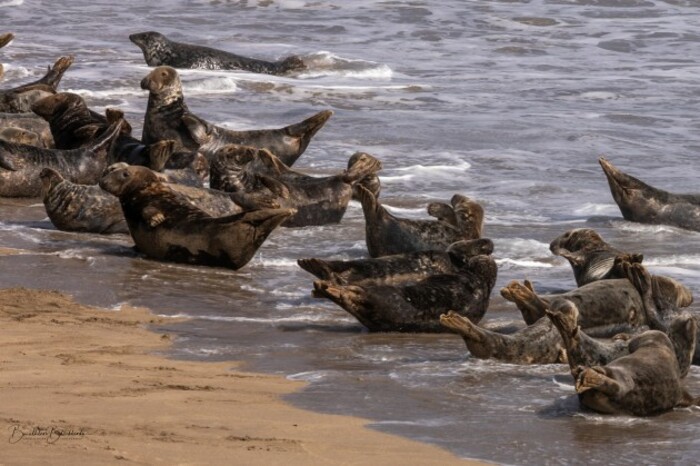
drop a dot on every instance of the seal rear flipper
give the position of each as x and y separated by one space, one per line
200 130
469 216
462 326
530 305
594 378
317 267
54 75
351 298
364 165
159 153
6 39
107 137
640 278
275 186
306 129
113 115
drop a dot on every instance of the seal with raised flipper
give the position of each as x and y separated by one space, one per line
20 165
642 203
165 225
387 234
317 200
20 99
158 50
399 268
417 307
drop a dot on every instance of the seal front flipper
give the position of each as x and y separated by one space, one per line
159 153
153 216
595 378
443 212
200 131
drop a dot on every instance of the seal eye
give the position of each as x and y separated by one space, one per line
124 175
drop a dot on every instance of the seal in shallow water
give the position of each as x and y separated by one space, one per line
21 98
642 203
165 225
399 268
417 307
387 234
158 50
20 165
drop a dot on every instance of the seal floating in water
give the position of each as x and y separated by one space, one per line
642 203
165 225
20 99
22 164
387 234
399 268
417 307
317 200
159 50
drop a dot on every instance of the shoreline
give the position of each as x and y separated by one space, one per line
82 383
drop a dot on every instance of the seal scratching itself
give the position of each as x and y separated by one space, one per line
642 203
158 50
166 226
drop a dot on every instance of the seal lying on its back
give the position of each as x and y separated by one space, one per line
387 235
642 203
20 99
164 120
317 200
399 268
417 307
643 383
4 40
21 165
159 50
287 143
165 225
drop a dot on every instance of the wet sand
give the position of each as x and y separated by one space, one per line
80 384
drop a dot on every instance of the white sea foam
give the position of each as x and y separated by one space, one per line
325 63
4 3
522 263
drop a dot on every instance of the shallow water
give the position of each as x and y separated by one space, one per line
509 102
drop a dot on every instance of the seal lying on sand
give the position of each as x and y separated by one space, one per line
399 268
4 40
287 143
159 50
643 383
20 165
417 307
164 120
165 225
642 203
387 235
317 200
20 99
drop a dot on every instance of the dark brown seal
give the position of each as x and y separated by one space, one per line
642 203
287 143
643 383
20 99
166 226
158 50
20 165
317 200
400 268
77 207
417 307
387 234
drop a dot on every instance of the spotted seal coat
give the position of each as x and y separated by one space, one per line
21 98
158 50
387 234
417 307
317 200
165 225
400 268
20 165
642 203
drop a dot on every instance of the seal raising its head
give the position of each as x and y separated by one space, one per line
158 50
642 203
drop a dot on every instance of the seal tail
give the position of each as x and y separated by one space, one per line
364 165
530 305
159 153
200 130
317 267
54 74
6 39
306 129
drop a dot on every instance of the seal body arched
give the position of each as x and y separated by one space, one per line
166 226
642 203
158 50
20 99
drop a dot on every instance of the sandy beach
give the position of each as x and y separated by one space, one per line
87 386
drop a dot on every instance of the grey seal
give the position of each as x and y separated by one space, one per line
642 203
165 225
159 50
31 123
21 98
387 234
